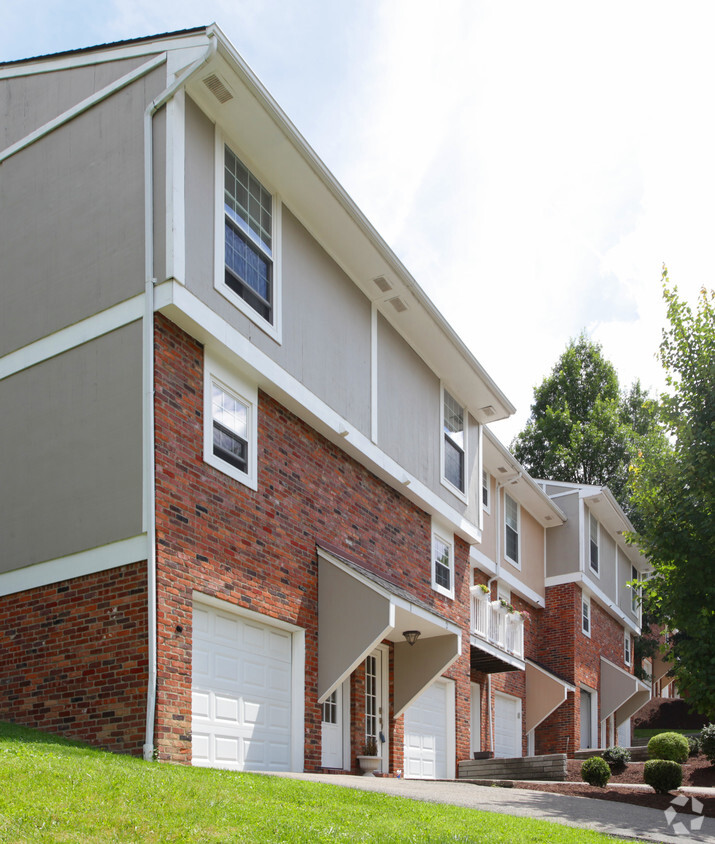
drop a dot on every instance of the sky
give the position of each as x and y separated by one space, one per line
533 164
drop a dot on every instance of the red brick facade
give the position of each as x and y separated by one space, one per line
257 549
73 658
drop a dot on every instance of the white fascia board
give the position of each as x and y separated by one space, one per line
479 560
121 553
201 322
74 335
492 650
596 592
84 58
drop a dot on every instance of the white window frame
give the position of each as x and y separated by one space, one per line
455 490
591 521
271 327
215 371
627 648
586 605
517 530
440 535
486 491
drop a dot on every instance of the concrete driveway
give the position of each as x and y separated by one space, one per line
617 819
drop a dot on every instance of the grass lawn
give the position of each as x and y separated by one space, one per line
641 732
53 790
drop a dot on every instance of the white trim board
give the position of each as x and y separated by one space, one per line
74 335
116 554
192 315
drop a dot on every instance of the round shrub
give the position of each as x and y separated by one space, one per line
595 771
670 746
617 758
694 745
707 742
662 775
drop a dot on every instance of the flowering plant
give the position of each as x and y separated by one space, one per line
484 587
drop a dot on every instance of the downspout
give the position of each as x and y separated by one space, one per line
148 386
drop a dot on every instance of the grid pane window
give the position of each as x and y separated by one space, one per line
371 699
511 515
442 564
453 425
330 708
593 543
230 428
248 235
485 490
634 589
586 616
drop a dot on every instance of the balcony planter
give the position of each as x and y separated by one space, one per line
514 618
498 607
484 597
369 764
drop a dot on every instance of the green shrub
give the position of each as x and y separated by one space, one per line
663 775
617 758
669 746
694 745
595 771
707 742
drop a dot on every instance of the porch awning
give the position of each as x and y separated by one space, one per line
621 693
357 610
545 692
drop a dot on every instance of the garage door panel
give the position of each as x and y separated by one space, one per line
241 693
426 726
507 726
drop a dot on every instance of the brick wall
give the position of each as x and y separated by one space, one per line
257 549
73 658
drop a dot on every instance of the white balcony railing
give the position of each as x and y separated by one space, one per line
493 623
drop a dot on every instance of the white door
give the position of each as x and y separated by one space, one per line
427 739
476 718
586 719
241 692
624 733
507 726
375 704
331 730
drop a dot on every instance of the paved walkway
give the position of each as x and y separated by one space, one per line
619 819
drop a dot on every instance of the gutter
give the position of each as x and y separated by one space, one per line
148 384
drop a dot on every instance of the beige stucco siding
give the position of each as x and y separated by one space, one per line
531 571
72 461
562 542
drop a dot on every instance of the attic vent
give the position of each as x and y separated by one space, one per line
397 304
382 283
503 470
488 410
218 89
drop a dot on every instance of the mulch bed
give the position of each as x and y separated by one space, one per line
696 772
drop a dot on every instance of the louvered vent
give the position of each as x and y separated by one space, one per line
218 89
397 304
383 283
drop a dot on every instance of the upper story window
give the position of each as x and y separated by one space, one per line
247 257
634 590
485 490
454 442
511 529
586 614
442 565
593 529
230 414
626 647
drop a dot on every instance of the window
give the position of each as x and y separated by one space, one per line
230 407
485 490
442 565
593 544
634 590
511 529
626 647
586 614
330 708
454 442
247 251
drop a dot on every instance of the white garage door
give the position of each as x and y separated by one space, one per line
507 726
241 692
429 733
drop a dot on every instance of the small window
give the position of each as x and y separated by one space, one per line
511 529
586 614
634 590
442 566
485 490
230 427
593 544
330 708
627 647
247 243
454 442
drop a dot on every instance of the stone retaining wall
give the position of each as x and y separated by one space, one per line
551 767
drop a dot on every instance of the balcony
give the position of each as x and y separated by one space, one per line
497 636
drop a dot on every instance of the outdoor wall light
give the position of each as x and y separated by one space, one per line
411 636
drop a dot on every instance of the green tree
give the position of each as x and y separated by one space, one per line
674 490
581 428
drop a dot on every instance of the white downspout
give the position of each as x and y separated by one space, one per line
148 385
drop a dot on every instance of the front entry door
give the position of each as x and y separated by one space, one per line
586 719
332 730
375 704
